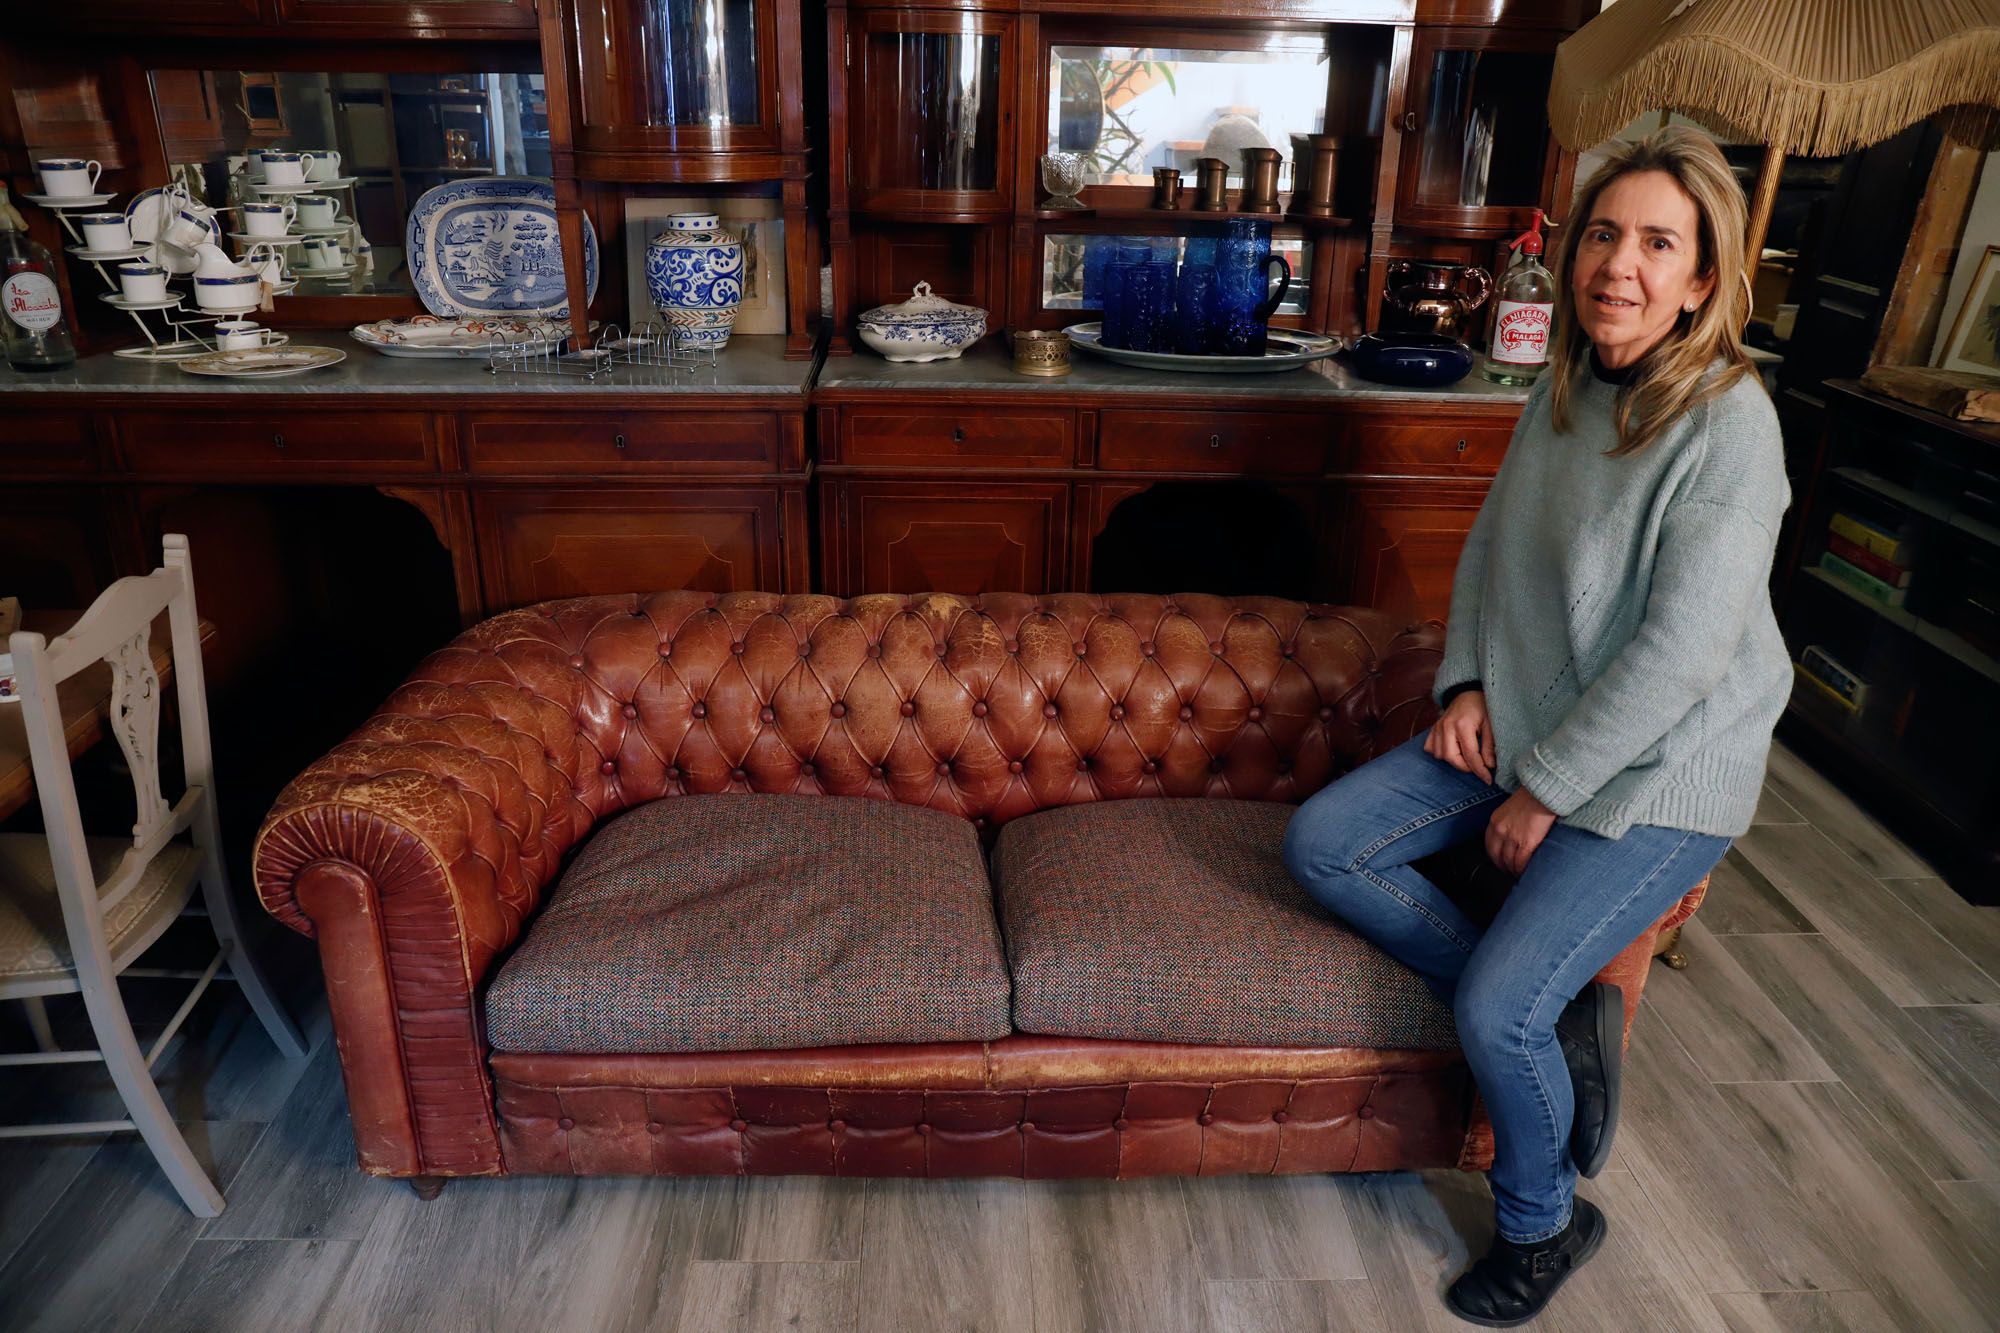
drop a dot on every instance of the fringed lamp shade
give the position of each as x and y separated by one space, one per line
1816 77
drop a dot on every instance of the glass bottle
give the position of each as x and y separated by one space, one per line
1524 309
32 330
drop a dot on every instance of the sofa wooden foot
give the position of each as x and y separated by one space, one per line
427 1187
1668 949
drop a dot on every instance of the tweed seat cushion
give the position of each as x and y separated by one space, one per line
1175 921
759 922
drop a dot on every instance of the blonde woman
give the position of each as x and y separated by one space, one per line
1611 677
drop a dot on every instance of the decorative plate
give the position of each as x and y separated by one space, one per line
432 337
263 363
1288 350
487 245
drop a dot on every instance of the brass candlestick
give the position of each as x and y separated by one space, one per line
1166 187
1260 180
1212 178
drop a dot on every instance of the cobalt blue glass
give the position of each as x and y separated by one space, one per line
1196 328
1147 307
1243 262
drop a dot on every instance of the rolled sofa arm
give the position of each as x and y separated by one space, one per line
414 852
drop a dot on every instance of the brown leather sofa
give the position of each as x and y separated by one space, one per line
418 852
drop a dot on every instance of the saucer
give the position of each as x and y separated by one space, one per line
245 238
227 309
337 183
303 232
67 201
265 187
100 256
304 271
122 302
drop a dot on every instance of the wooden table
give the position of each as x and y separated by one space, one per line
86 704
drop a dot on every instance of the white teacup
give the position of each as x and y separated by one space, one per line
142 281
283 168
324 252
188 226
267 218
69 177
318 212
232 293
325 165
235 335
106 231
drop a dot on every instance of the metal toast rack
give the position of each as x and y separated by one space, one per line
650 344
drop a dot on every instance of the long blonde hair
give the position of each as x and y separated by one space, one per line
1674 373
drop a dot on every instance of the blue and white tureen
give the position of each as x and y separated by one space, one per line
923 328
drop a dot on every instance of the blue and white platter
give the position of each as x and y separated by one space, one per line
488 246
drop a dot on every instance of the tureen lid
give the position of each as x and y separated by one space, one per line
924 308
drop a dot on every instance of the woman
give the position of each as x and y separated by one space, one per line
1611 677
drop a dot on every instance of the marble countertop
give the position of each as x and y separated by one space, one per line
749 365
987 368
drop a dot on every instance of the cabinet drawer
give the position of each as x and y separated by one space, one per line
1236 442
637 442
41 442
1431 446
304 440
930 437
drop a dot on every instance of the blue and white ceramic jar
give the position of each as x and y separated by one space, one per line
694 271
923 328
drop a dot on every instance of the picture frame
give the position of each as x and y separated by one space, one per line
756 220
1974 344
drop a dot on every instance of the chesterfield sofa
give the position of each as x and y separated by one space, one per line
892 886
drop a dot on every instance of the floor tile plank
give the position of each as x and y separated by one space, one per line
1835 814
250 1286
1723 1018
1971 1034
1250 1306
731 1297
1974 931
1802 1312
946 1254
1113 1255
1272 1227
1742 901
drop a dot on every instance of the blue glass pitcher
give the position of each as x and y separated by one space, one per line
1243 295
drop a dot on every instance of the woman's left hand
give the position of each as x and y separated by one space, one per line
1516 829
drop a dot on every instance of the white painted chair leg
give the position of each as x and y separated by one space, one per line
38 1023
127 1064
242 963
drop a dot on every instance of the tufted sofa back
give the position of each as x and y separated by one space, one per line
990 707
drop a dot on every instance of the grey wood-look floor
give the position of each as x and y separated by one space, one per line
1810 1140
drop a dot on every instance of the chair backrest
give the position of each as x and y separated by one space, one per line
117 630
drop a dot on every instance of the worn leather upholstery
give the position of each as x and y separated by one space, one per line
418 848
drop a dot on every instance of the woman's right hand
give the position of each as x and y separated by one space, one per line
1463 737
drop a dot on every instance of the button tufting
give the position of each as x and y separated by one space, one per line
923 1128
1013 766
1121 1124
565 1123
576 662
737 775
1186 713
839 709
666 650
767 715
874 650
737 647
1256 714
629 711
1013 645
1079 650
607 767
1117 712
673 775
944 770
1366 1113
1281 1116
1285 766
1083 764
528 690
738 1125
655 1127
1207 1119
1152 766
909 709
1290 649
1215 765
1048 710
1027 1126
979 709
1215 648
1325 714
836 1125
700 709
805 650
1146 647
877 770
944 650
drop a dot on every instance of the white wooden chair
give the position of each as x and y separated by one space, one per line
76 911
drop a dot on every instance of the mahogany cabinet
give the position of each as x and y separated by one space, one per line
359 19
950 535
1477 153
1399 543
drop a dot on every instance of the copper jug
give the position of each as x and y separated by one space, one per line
1425 296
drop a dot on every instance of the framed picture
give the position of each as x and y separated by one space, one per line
756 221
1974 343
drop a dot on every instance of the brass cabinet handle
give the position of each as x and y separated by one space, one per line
1409 122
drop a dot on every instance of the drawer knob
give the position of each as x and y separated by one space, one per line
619 441
278 439
958 435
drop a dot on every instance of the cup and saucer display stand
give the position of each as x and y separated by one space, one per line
189 330
299 232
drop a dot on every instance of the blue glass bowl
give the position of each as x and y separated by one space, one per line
1419 360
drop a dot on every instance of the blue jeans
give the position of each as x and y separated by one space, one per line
1582 899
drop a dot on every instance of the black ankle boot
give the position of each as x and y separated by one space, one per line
1591 1031
1513 1282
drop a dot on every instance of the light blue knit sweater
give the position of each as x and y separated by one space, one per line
1617 613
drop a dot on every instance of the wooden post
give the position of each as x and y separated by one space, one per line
1916 303
1761 200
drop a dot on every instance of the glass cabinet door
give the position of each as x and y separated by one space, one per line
1476 134
675 75
446 15
935 96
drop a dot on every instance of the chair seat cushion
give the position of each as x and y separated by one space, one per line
34 938
760 922
1175 921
